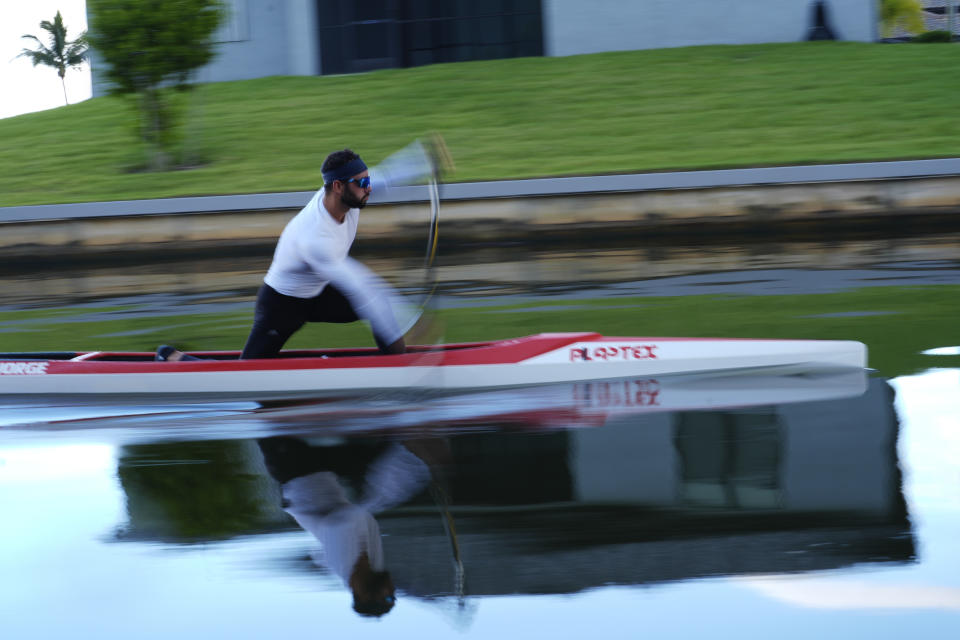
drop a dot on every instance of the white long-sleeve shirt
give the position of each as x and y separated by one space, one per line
313 249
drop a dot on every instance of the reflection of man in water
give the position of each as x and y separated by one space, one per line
317 483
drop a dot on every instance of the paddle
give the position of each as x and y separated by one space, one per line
442 501
442 163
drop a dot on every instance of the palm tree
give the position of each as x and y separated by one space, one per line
61 54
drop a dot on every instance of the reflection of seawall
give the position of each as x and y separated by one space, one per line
665 497
499 272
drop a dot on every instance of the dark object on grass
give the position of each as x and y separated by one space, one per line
820 28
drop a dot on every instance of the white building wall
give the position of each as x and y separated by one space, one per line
280 37
252 43
303 50
573 27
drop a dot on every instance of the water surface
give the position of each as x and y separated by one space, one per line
750 506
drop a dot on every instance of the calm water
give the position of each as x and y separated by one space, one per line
750 506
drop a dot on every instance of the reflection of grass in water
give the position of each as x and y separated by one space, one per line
66 313
913 320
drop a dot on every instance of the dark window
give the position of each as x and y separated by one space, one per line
379 34
730 459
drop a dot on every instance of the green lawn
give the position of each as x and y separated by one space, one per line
702 107
896 323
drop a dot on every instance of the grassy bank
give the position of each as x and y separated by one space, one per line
896 323
702 107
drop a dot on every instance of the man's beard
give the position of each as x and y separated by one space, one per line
352 201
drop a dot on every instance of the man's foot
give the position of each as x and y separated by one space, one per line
166 353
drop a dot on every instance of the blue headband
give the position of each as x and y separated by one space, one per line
345 172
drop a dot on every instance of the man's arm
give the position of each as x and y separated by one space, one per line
414 164
368 295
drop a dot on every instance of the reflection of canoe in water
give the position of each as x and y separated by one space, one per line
561 405
571 404
538 359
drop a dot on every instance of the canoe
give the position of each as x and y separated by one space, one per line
538 359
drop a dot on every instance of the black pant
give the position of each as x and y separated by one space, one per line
278 316
287 458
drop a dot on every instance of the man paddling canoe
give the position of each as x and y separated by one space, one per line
312 277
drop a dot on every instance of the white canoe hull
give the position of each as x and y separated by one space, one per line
564 358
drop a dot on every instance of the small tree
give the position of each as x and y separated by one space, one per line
61 54
905 14
149 50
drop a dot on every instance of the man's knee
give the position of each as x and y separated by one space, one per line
264 343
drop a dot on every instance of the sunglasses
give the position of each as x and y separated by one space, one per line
363 182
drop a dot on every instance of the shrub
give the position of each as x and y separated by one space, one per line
940 35
902 14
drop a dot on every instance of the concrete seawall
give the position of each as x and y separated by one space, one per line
824 198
